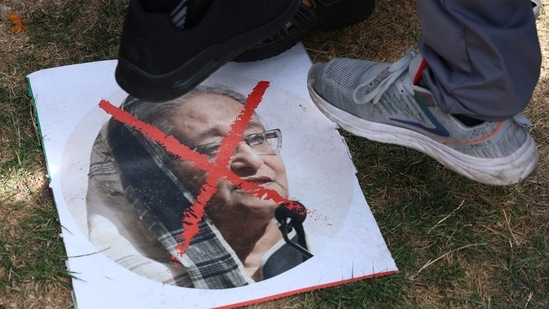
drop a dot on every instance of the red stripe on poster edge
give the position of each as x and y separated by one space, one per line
308 289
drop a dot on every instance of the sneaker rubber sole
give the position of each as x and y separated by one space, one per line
492 171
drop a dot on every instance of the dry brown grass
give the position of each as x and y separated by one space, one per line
507 218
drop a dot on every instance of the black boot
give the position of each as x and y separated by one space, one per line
158 61
324 15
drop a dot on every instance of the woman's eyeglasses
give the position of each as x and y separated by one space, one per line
267 142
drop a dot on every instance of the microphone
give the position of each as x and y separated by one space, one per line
291 212
291 215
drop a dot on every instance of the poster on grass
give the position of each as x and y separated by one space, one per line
238 192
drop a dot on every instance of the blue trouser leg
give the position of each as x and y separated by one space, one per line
483 56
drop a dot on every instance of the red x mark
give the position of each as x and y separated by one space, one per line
216 170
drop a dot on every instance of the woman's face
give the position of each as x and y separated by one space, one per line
206 118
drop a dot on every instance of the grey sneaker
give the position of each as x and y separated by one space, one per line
536 6
380 102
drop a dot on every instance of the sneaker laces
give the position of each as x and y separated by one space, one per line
390 76
521 120
385 79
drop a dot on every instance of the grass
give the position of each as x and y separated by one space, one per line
457 243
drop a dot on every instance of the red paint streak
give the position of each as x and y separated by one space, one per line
193 215
216 170
295 207
255 190
234 137
169 143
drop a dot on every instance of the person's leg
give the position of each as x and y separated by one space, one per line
409 104
483 56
